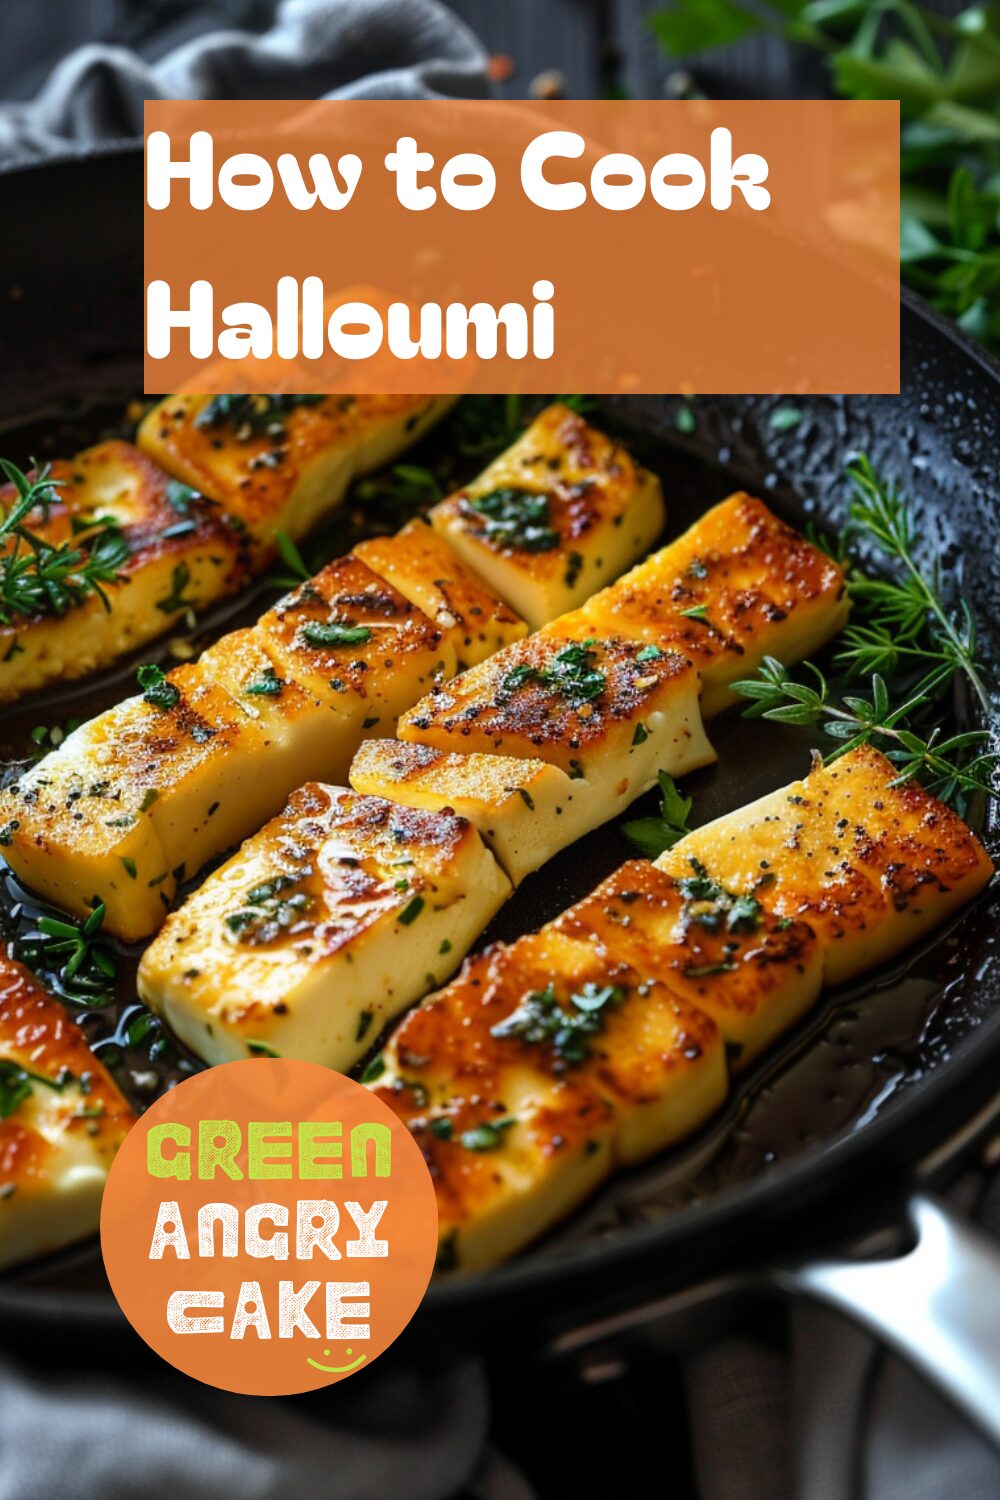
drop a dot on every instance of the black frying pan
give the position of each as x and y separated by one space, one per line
876 1090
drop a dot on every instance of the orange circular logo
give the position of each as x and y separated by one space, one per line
269 1227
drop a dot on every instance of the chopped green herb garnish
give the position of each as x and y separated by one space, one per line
518 519
267 685
365 1020
485 1137
175 601
252 416
374 1070
411 911
641 735
157 689
696 612
261 1049
541 1018
333 633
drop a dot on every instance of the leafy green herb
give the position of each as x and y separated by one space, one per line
73 955
541 1018
16 1085
411 911
267 910
572 673
174 602
441 1126
261 1049
39 578
696 612
641 735
485 1137
157 689
710 905
374 1070
785 418
252 416
904 628
365 1020
267 685
335 633
685 419
651 836
650 653
945 72
517 518
181 497
298 570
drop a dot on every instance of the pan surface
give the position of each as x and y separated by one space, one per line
880 1072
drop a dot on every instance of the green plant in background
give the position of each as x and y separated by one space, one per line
946 75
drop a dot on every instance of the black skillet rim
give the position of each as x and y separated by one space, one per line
742 1218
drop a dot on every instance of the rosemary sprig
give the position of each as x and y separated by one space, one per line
39 578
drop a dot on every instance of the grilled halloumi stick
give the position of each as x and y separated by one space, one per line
350 652
870 866
546 1062
755 973
557 515
323 927
601 710
145 794
522 809
282 463
178 552
541 1068
739 585
421 565
62 1120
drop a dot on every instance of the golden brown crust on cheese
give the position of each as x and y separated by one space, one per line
252 473
523 696
347 594
36 1034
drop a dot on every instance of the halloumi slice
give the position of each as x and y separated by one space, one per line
62 1119
420 564
322 928
601 710
179 553
559 513
871 867
753 972
534 1074
282 463
524 810
137 799
357 643
739 585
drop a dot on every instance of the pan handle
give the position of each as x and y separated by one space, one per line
937 1305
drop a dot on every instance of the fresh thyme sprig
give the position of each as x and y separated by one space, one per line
904 632
952 767
905 621
39 578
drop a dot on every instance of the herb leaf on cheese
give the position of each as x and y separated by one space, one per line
541 1018
520 519
652 836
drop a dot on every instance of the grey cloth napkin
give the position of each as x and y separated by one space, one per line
316 49
387 1434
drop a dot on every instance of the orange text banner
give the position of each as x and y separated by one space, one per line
601 246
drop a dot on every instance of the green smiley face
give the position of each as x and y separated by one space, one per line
337 1369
